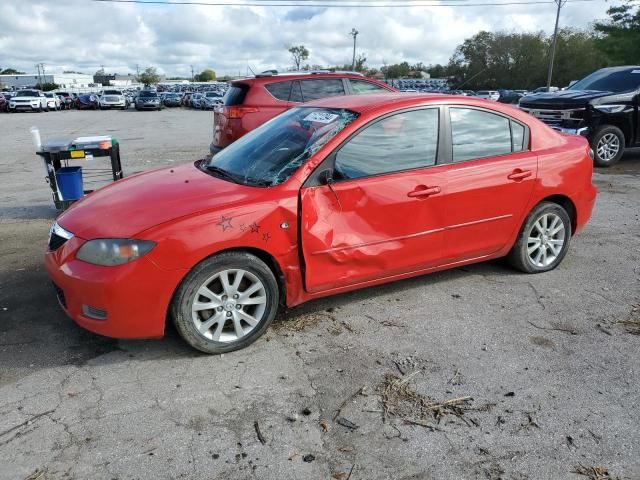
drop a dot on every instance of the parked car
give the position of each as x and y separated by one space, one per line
488 94
171 99
28 100
602 107
250 102
509 96
210 100
66 100
53 102
4 101
194 101
148 100
113 99
87 101
314 203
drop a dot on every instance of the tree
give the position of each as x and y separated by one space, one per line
299 54
47 87
360 63
207 75
148 77
10 71
620 36
99 73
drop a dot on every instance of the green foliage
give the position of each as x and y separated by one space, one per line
149 77
207 75
619 36
491 60
47 87
298 54
10 71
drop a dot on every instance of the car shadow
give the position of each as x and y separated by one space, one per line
36 334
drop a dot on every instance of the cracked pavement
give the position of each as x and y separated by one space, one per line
554 378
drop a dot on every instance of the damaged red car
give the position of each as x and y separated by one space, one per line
339 194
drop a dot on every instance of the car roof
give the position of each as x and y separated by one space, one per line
372 101
391 101
282 77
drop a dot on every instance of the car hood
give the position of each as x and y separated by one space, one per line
562 99
134 204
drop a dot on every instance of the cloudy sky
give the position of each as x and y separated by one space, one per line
83 35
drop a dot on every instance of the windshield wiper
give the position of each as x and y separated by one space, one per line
220 172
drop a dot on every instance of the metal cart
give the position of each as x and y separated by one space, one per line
63 152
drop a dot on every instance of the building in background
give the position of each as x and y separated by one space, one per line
63 80
115 80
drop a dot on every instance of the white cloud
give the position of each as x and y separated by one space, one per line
83 35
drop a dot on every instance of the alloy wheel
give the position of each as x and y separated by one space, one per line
546 239
229 305
608 147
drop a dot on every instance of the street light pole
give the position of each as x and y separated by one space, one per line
560 3
354 32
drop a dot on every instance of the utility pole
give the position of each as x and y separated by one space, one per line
39 78
43 75
354 32
560 4
192 77
137 70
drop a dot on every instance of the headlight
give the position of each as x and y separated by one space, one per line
612 108
113 251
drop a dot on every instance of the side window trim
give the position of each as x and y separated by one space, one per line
446 117
329 162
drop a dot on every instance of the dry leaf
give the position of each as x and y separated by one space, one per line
325 426
339 475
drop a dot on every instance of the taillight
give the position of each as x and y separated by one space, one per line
238 112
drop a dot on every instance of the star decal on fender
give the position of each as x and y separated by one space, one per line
255 228
225 223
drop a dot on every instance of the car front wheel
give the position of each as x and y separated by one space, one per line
225 303
608 145
543 240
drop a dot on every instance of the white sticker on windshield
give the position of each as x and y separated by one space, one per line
635 71
320 117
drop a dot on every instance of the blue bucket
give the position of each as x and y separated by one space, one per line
70 182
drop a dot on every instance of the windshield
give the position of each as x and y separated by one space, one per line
213 94
112 92
148 94
27 93
270 154
608 81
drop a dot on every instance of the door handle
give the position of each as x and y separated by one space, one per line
424 191
519 174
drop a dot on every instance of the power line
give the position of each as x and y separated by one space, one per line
256 3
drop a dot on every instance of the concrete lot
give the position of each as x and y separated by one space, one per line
554 378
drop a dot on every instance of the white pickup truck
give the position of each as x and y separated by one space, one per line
113 99
28 100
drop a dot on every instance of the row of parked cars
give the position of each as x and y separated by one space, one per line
147 99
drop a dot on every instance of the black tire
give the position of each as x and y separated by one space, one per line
595 139
519 257
181 304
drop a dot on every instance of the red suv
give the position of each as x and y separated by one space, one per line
250 102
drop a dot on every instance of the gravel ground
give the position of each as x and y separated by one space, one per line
368 385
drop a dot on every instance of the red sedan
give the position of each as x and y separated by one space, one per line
335 195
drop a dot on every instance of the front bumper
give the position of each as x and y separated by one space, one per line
113 104
135 297
23 106
150 106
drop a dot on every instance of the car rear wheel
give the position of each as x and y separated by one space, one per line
225 303
608 145
543 240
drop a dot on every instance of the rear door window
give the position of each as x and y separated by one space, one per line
235 95
321 88
479 134
280 90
